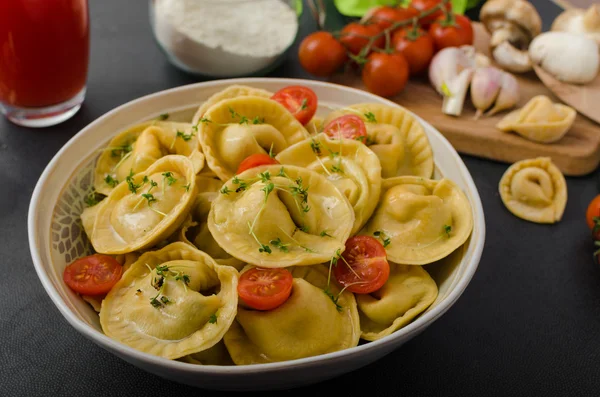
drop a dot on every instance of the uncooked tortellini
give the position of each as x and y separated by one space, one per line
234 129
534 190
349 165
171 303
407 293
279 216
397 138
424 220
308 324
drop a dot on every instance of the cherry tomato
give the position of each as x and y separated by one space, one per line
593 211
426 5
265 289
385 17
321 54
416 46
348 127
255 160
385 74
451 31
299 100
356 36
93 275
363 267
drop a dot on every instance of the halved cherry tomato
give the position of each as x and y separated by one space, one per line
385 74
348 127
385 16
265 289
451 31
416 46
93 275
255 160
321 54
363 267
356 36
299 100
593 211
426 5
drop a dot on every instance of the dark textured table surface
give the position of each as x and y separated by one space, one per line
528 324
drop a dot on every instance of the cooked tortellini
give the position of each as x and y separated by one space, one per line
234 129
424 220
146 208
540 120
280 216
534 190
135 149
172 302
216 355
407 293
308 324
349 165
397 138
233 91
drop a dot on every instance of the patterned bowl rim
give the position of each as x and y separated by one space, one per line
129 353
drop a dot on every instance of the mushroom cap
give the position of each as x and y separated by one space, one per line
508 14
577 20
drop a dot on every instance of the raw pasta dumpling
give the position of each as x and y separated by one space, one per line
534 190
234 129
309 323
352 167
407 293
424 220
397 138
146 208
233 91
280 216
137 148
171 303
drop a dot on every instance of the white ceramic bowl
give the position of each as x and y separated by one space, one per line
56 238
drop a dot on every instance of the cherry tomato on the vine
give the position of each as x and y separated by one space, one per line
385 16
385 74
321 54
451 31
426 5
93 275
363 267
593 211
416 46
348 126
356 36
265 289
255 160
299 100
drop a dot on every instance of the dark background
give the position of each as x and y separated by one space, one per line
528 324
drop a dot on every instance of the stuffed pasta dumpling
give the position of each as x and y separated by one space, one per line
280 216
233 91
234 129
397 138
309 323
171 303
348 164
424 220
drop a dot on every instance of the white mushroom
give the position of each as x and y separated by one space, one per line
577 20
512 24
569 57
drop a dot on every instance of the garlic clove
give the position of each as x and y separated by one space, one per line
508 96
456 92
485 87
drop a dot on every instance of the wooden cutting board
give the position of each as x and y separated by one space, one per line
578 153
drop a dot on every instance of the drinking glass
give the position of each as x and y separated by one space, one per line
44 53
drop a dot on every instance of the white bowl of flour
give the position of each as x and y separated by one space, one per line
224 38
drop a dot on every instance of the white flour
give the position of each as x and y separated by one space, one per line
226 37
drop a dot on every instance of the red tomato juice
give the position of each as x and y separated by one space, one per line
44 51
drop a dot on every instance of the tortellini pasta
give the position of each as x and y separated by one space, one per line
171 303
233 91
397 138
234 129
145 209
534 190
280 216
349 165
424 220
135 149
408 292
308 324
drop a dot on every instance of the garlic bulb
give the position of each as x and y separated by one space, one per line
491 86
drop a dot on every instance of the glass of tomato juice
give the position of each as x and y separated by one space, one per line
44 53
